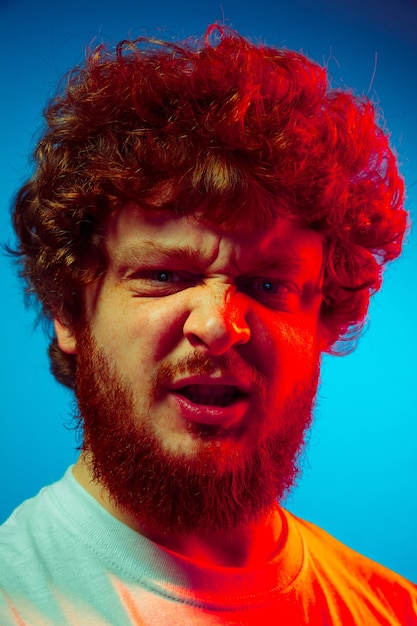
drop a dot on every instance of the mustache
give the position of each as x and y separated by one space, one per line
200 364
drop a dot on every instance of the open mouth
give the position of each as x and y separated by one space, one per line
211 395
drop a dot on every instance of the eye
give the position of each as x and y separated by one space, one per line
164 276
159 282
269 286
272 292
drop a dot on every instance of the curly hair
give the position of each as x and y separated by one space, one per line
246 133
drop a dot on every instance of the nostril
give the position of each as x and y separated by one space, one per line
195 340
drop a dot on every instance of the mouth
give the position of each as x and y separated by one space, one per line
211 395
211 403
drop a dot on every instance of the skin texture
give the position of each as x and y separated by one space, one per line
203 343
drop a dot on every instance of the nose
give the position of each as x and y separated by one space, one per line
216 320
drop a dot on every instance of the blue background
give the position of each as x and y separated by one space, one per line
360 469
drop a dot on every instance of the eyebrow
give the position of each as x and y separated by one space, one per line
285 261
149 251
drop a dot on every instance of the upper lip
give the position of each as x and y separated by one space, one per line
226 380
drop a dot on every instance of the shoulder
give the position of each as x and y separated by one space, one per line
21 526
353 578
323 550
29 529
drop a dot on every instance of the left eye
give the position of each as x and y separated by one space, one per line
275 293
269 286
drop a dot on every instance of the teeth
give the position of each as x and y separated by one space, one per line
214 395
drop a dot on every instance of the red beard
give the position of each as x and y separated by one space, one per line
172 492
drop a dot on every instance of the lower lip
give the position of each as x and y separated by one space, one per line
212 414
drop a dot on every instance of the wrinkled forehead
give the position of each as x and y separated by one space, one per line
135 230
238 206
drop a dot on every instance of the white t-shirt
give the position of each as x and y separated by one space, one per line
64 560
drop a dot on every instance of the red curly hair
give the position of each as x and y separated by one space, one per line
246 132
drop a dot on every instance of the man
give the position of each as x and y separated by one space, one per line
204 220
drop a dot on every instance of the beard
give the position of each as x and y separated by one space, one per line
215 488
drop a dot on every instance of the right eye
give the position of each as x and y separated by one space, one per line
164 276
159 282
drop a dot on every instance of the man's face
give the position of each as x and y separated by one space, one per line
197 374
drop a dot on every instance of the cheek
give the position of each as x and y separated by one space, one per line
287 353
161 327
139 336
298 342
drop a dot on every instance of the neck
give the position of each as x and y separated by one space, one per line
246 546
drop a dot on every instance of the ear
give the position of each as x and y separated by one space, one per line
65 337
327 337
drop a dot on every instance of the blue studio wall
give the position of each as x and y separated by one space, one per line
360 468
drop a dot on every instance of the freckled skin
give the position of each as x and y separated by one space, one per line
178 287
212 317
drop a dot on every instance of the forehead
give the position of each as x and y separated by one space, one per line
133 231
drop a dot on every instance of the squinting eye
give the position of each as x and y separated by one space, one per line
159 282
163 277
